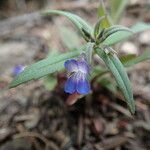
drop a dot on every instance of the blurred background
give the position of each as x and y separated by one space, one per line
35 115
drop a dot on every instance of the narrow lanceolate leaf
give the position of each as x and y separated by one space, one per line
123 35
126 58
138 59
140 26
105 23
117 69
109 35
89 51
117 8
97 28
76 20
43 68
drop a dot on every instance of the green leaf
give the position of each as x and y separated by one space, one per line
105 23
97 28
136 60
43 68
76 20
89 52
140 27
70 39
101 9
126 58
117 8
123 35
117 69
50 82
113 30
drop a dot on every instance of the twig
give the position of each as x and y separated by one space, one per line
80 131
120 109
39 136
111 143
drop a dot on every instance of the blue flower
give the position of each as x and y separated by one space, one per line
17 69
77 82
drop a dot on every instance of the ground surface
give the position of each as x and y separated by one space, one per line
32 117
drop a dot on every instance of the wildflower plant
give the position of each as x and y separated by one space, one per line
98 40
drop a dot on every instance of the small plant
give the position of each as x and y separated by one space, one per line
78 61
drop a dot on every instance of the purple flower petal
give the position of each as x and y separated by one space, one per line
70 86
83 67
77 83
83 86
71 65
18 69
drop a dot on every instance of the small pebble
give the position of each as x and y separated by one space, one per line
144 37
129 48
